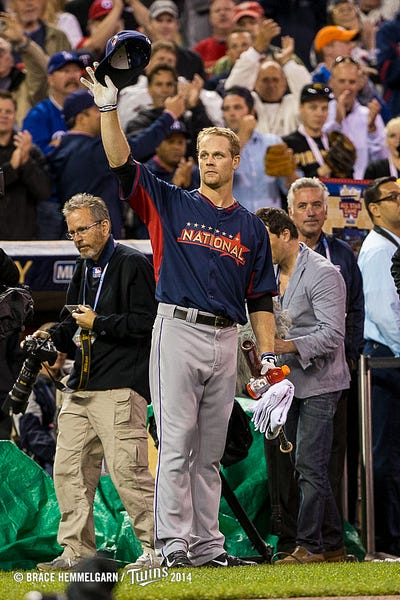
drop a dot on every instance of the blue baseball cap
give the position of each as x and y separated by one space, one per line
76 103
58 60
178 127
127 54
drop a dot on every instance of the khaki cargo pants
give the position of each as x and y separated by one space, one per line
93 425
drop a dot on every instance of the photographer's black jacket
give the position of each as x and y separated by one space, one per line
125 310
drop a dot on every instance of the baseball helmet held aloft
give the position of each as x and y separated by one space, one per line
127 54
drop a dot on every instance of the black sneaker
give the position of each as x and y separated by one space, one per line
176 560
226 560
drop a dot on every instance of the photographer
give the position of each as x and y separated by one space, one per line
104 407
37 431
10 352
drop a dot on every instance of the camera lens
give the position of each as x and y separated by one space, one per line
21 390
37 351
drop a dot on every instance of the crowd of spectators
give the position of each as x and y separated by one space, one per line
274 71
200 50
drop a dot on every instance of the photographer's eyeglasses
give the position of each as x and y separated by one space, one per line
81 230
393 197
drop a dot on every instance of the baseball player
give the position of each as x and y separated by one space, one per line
210 255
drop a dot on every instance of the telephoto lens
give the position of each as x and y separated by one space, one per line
37 351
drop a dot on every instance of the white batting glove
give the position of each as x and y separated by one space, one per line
271 410
105 97
268 361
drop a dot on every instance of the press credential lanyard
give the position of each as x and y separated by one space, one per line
86 336
98 289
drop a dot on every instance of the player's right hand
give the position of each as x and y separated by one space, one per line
268 361
105 97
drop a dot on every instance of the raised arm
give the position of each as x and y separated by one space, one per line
141 14
114 141
105 29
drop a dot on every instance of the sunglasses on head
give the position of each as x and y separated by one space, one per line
346 59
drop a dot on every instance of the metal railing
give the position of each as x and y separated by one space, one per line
366 363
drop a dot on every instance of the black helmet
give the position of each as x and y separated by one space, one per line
127 54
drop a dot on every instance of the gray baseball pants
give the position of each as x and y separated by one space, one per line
192 378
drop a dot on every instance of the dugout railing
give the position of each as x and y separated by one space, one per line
366 363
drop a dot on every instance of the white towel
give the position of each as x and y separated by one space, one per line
271 410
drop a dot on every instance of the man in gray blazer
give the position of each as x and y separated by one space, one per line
313 297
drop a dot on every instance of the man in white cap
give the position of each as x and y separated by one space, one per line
164 25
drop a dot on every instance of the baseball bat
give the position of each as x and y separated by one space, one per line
284 445
251 355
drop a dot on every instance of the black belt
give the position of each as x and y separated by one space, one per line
181 313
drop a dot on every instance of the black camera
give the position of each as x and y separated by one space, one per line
37 351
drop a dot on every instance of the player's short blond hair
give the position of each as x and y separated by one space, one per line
234 143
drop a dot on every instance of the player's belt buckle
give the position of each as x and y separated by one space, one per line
222 322
212 321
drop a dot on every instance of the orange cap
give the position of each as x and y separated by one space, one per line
333 33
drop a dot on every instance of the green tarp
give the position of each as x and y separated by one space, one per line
29 512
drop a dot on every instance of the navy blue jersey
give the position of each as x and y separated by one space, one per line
204 257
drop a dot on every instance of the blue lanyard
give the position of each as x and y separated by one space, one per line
327 251
98 289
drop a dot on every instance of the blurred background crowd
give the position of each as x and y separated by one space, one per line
243 65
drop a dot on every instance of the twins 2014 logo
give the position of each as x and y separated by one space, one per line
144 577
